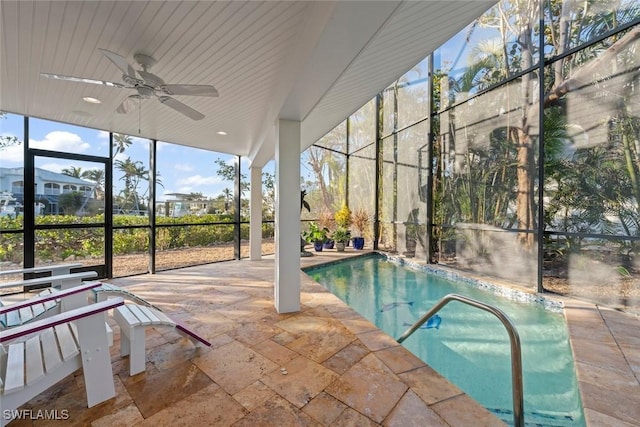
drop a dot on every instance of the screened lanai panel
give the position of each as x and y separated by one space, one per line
362 187
55 246
130 251
587 21
194 183
324 176
403 193
592 166
195 196
388 110
499 44
336 139
413 95
362 127
411 190
68 191
130 180
487 188
186 245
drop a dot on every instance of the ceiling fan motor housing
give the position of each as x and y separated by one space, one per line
146 91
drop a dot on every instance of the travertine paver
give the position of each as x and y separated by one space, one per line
275 352
430 385
471 415
317 339
234 366
325 408
157 391
343 360
399 359
209 406
369 387
300 380
411 410
254 395
277 411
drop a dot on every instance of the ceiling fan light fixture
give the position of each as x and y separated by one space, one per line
91 100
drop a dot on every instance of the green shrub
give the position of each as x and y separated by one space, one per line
59 244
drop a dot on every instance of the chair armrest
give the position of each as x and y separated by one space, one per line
54 280
53 269
58 319
50 297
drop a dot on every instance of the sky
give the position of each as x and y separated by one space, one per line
182 169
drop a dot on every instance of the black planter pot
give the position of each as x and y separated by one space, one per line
317 246
358 242
329 244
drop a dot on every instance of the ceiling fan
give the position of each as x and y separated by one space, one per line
146 84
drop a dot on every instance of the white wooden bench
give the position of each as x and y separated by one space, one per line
37 355
133 320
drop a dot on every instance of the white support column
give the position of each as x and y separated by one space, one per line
255 215
287 274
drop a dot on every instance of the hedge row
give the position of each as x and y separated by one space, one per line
60 244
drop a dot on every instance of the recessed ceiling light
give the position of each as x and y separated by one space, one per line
221 132
91 100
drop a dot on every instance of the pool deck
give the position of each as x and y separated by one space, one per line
325 365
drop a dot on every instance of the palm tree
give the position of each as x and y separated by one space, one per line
96 176
73 171
133 172
228 196
121 142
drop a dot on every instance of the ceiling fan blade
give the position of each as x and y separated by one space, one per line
82 80
122 108
181 108
193 90
125 105
120 62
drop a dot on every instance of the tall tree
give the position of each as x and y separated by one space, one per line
121 142
73 171
96 176
132 174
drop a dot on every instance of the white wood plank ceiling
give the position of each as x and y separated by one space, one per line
316 62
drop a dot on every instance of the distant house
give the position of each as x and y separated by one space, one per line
49 186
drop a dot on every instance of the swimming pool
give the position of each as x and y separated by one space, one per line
468 346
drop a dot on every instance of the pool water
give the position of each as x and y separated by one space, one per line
468 346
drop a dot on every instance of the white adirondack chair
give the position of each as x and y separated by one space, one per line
37 355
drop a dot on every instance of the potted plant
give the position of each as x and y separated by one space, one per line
341 236
342 219
316 235
325 220
360 221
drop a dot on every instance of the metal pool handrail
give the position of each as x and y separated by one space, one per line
514 338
